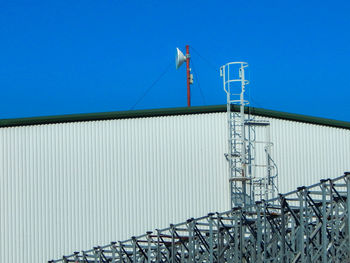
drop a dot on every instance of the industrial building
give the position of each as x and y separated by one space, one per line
69 183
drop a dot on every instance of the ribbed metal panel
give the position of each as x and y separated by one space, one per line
72 186
306 153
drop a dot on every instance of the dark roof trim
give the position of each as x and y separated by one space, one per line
168 112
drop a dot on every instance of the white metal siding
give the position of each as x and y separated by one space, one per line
72 186
306 153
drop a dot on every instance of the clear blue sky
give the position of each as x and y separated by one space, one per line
82 56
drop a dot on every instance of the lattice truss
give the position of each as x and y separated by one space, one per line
310 224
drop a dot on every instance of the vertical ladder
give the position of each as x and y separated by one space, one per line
250 179
234 86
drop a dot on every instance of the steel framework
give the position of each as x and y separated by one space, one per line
310 224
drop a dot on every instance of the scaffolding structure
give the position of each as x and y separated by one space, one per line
252 172
310 224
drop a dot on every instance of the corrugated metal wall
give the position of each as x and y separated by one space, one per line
306 153
67 187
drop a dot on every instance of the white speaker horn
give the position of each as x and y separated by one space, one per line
179 58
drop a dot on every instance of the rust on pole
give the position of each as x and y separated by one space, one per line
188 70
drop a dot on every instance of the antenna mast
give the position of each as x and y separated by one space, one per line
188 70
179 59
248 182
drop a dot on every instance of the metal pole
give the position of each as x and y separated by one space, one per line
158 247
211 239
228 98
120 256
301 246
114 250
96 254
324 222
243 154
283 230
172 227
259 232
348 205
133 249
188 70
191 241
149 239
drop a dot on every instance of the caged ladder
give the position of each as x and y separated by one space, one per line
252 172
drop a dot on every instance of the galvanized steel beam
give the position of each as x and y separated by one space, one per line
311 224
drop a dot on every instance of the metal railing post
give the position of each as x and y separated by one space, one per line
348 207
133 249
301 245
283 230
211 239
324 222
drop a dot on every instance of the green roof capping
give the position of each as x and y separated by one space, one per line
169 112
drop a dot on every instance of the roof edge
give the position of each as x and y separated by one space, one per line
169 112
